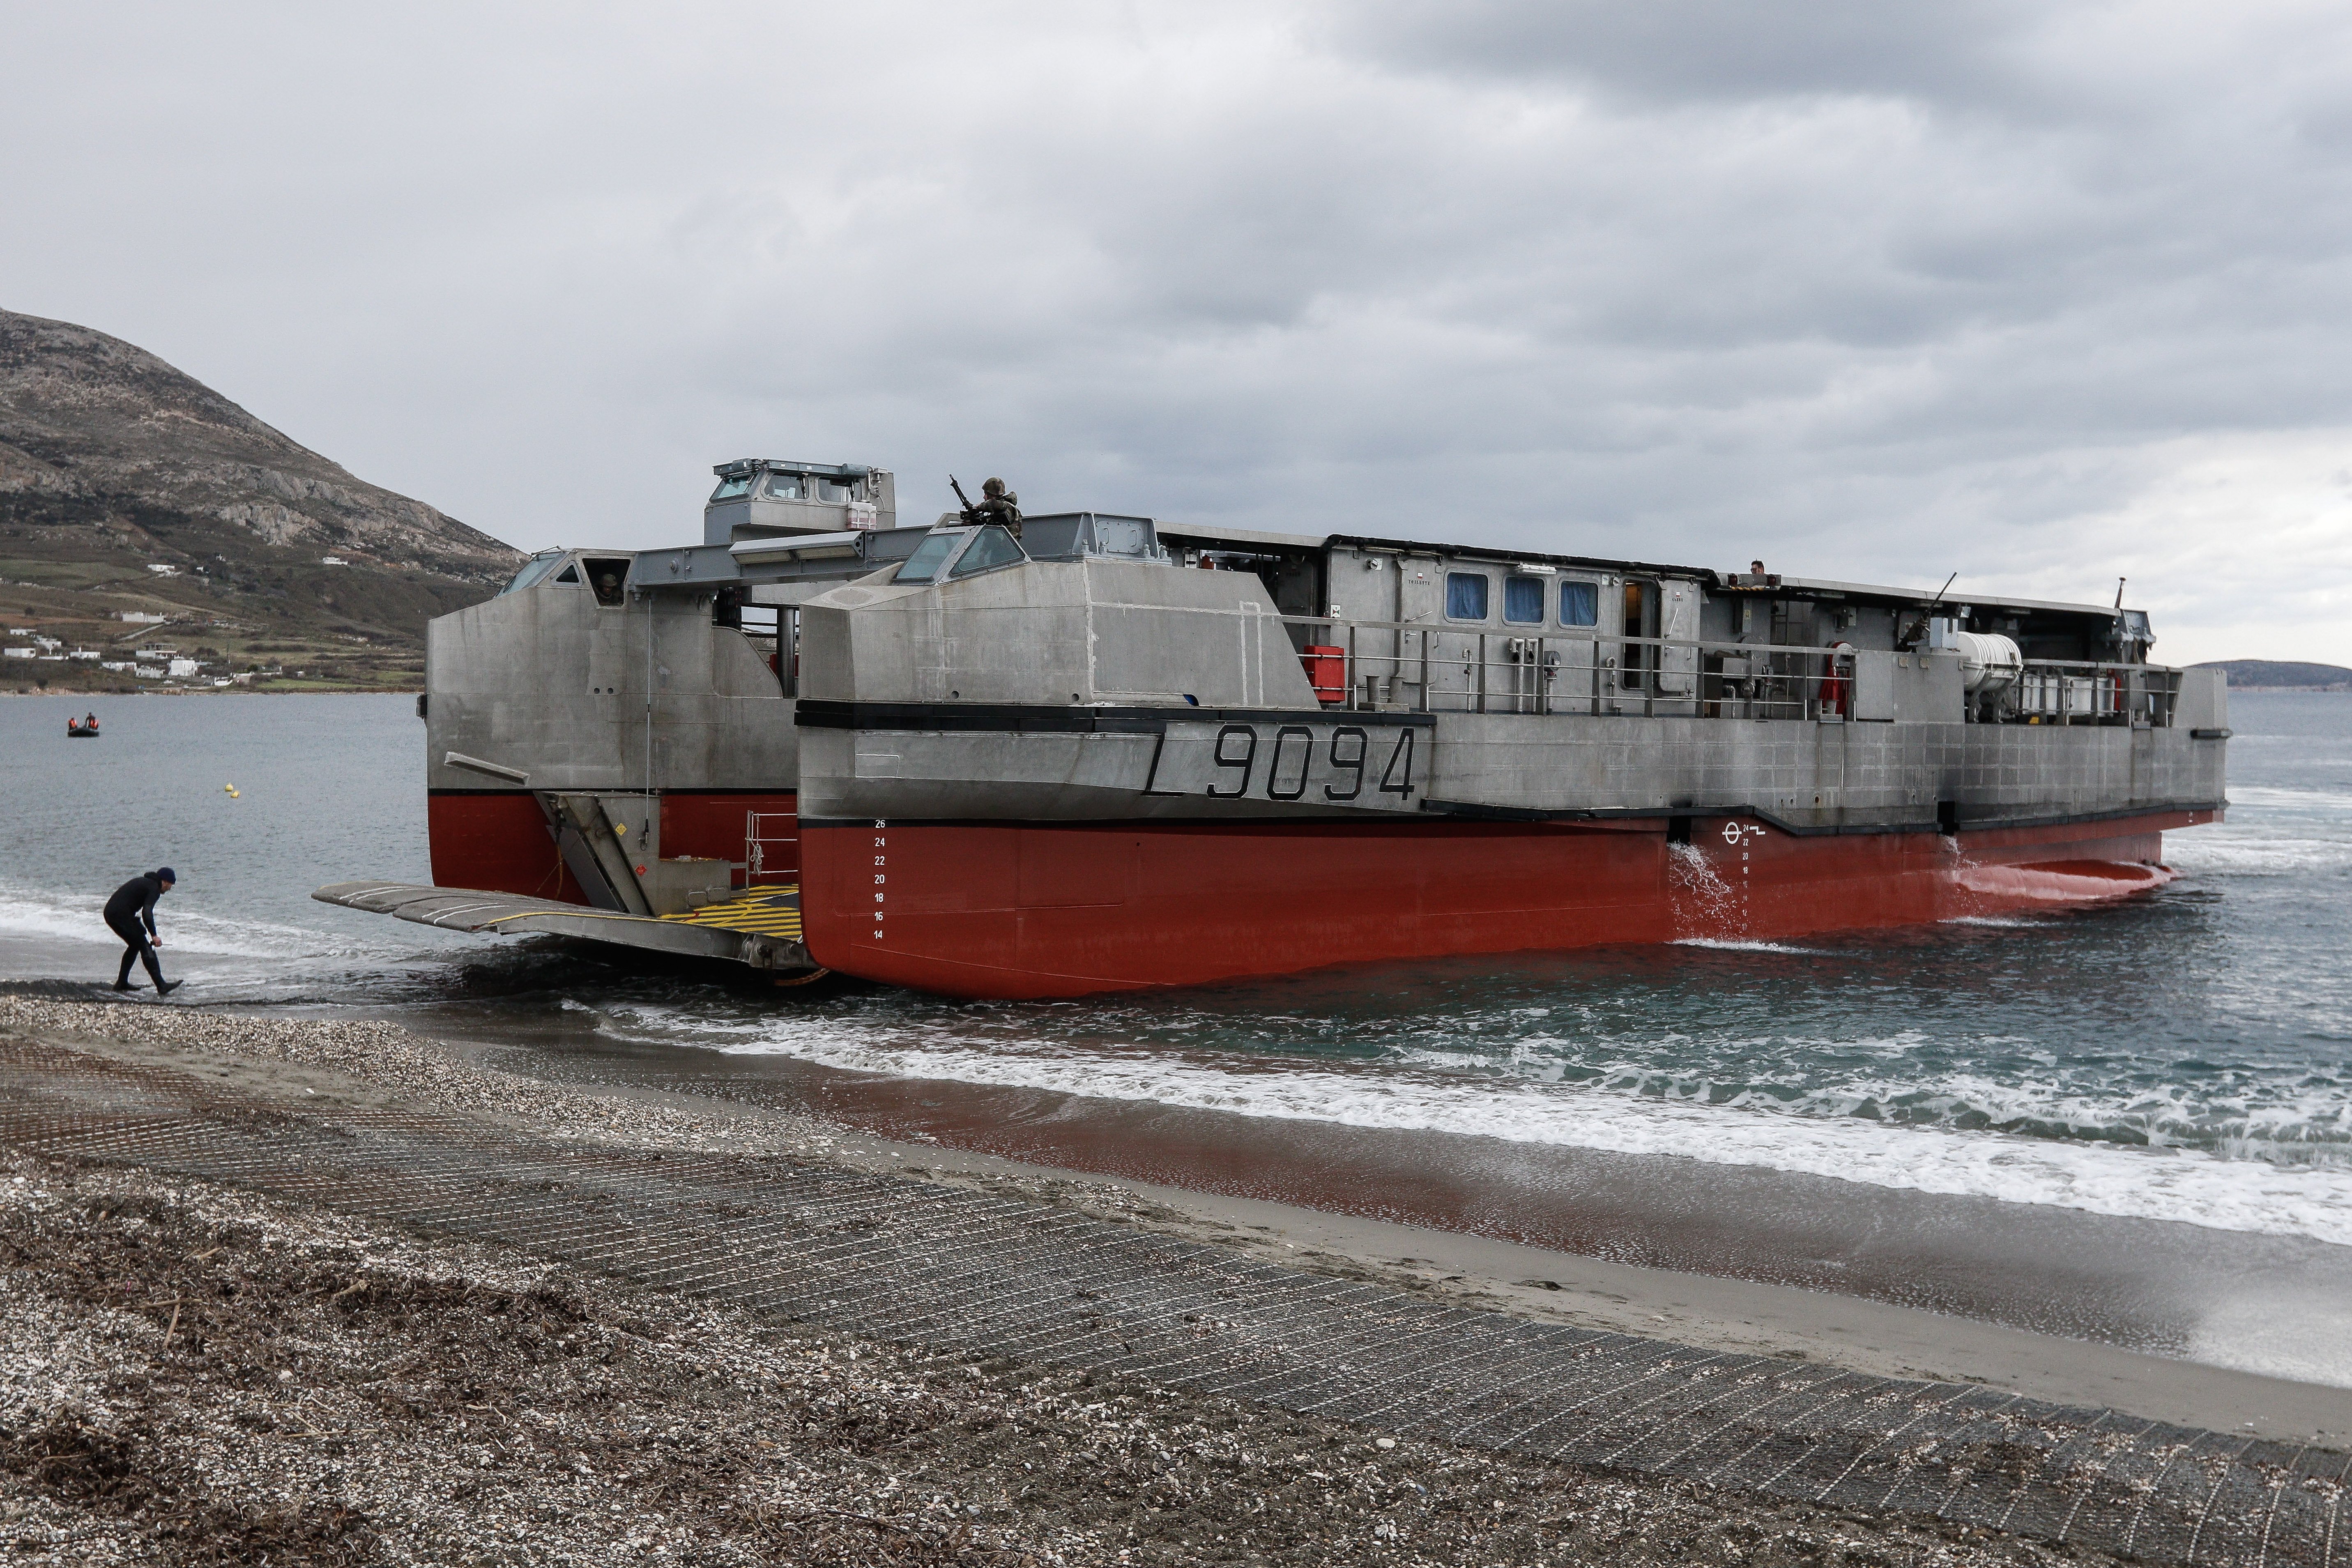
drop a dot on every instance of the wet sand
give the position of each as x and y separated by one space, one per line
2151 1305
1349 1225
195 1374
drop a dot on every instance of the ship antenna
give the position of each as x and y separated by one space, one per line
2119 591
1941 592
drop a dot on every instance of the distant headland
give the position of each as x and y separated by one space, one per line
2276 675
155 535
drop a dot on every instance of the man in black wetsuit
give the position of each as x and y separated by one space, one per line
133 904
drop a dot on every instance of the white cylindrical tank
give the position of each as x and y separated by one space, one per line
1989 662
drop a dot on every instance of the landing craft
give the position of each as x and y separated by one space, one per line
1108 752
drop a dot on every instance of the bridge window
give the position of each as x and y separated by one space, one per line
785 487
1523 600
928 557
829 488
994 547
729 489
1466 595
1580 603
535 568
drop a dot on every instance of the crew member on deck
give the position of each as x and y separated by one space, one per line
133 904
1000 505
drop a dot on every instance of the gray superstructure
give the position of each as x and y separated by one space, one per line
1823 705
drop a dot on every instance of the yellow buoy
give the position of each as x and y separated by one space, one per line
232 791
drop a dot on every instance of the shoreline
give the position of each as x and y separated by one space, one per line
79 694
296 1386
1713 1312
325 1291
2166 1290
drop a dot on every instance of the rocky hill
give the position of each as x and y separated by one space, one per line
2255 674
129 489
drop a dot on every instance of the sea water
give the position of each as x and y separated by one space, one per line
2182 1055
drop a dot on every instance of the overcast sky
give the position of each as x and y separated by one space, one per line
2046 294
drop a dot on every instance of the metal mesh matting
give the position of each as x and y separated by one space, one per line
980 1274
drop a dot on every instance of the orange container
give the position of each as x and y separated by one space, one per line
1326 671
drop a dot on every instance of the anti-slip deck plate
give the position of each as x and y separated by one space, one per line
768 912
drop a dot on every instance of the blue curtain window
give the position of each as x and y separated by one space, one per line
1580 603
1465 597
1523 600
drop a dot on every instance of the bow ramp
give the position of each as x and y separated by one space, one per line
759 928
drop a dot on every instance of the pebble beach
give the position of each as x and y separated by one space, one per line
193 1372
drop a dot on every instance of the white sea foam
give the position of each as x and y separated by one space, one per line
1735 944
2308 1127
2248 854
2191 1186
2269 832
2274 798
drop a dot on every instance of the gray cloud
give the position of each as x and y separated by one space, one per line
1875 290
1706 49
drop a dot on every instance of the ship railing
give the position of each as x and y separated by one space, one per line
1416 667
2069 692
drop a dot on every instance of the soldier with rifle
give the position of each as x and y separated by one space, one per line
997 505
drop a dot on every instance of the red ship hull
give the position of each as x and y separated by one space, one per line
496 840
1019 911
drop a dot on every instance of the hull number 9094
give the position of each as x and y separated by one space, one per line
1365 767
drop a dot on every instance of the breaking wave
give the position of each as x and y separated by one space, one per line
2287 1170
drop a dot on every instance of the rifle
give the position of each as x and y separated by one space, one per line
970 512
1910 638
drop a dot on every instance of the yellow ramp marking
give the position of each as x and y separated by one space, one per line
763 912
